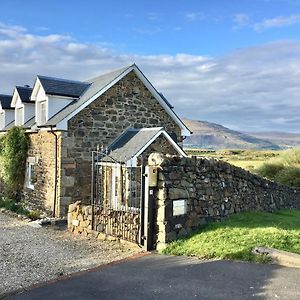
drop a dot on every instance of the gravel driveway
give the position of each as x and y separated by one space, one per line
31 255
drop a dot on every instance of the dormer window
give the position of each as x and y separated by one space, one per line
19 116
43 112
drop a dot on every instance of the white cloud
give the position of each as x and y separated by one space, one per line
277 22
254 88
193 16
241 19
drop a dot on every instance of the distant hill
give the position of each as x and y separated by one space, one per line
214 136
282 139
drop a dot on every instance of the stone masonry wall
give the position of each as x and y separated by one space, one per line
42 149
212 190
108 224
127 104
160 145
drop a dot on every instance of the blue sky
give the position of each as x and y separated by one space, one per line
158 27
231 62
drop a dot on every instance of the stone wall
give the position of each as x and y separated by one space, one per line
160 145
107 223
212 190
42 151
127 104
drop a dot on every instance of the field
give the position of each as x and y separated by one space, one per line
234 238
246 159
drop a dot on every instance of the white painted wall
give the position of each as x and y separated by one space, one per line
9 116
19 118
39 98
29 111
55 104
2 119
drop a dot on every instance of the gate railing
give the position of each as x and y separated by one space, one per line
116 198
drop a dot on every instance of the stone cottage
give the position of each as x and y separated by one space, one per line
115 120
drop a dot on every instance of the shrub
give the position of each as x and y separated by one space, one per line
284 169
289 176
270 170
11 205
13 152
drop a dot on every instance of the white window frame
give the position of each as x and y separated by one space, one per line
43 112
115 178
31 163
19 115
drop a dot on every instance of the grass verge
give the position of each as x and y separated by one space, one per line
235 237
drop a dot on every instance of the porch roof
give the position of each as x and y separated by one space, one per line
134 141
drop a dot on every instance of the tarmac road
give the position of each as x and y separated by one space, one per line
167 277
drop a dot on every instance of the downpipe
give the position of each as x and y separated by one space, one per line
55 172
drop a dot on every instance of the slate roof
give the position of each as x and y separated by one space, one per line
94 86
9 125
29 123
129 143
5 101
24 93
63 87
84 91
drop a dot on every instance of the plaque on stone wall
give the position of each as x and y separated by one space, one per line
179 207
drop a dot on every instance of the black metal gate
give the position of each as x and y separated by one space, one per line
117 198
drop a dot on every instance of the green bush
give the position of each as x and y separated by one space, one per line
34 214
270 170
18 208
13 153
284 169
11 205
289 176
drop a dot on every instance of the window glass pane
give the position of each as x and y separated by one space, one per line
32 173
43 112
19 119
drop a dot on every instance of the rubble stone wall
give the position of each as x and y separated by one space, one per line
212 190
42 151
107 223
127 104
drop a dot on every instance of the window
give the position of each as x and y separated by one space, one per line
30 173
43 112
19 116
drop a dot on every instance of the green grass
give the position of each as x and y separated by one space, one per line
246 159
235 237
249 165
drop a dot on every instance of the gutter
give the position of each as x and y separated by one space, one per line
55 171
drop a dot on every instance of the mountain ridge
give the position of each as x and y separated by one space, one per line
213 136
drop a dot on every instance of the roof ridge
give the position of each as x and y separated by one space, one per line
23 87
91 80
